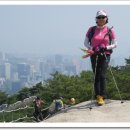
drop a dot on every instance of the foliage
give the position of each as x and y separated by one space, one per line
78 86
3 97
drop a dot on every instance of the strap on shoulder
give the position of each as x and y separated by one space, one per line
109 34
91 33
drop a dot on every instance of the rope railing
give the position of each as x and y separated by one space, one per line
25 117
13 112
19 117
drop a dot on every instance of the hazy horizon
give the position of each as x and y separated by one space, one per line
52 29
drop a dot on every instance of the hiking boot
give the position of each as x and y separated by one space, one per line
100 100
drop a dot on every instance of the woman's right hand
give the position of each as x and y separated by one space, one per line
101 48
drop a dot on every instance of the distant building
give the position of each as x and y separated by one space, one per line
56 69
71 69
2 80
23 72
45 69
2 71
16 86
37 76
7 71
32 72
15 76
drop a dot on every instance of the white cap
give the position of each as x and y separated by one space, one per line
101 12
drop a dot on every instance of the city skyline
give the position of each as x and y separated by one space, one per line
17 72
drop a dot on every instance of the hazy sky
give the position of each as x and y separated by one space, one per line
51 29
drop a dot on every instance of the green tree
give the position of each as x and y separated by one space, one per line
3 97
12 99
22 94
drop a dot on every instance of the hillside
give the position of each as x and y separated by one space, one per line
113 111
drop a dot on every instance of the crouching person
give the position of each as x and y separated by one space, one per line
59 104
56 106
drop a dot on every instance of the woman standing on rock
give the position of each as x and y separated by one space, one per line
101 40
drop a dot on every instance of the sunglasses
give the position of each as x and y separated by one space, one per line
101 17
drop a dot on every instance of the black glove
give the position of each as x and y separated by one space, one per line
101 48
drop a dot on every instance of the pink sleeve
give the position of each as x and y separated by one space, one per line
88 31
113 35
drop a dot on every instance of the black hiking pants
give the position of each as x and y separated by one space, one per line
38 114
100 74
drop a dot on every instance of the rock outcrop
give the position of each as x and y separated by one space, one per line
112 111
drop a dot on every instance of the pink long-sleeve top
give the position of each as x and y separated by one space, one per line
98 38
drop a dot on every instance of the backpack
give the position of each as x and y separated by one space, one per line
91 34
58 105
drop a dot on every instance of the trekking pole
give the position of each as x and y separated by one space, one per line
94 82
114 79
